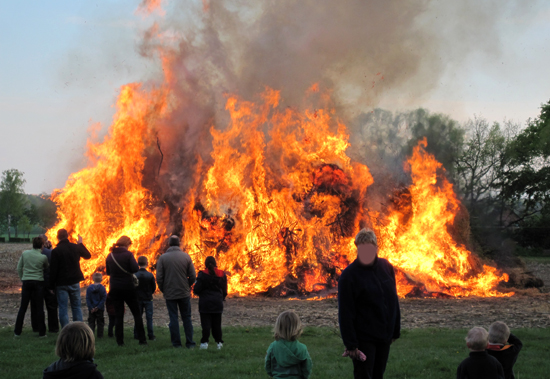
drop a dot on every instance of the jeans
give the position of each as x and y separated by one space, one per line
129 297
211 321
97 317
31 291
64 294
184 306
146 306
377 356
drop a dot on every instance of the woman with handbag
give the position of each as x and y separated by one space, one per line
121 266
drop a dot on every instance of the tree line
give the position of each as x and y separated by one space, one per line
19 212
500 171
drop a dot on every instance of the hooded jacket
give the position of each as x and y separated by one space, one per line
288 359
96 296
368 307
72 370
211 290
506 354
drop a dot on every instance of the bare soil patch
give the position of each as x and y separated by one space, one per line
527 309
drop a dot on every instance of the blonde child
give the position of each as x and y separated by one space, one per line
479 365
76 349
286 357
95 300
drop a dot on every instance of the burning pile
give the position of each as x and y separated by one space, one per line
278 203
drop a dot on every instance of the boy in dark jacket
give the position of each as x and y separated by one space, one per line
76 348
211 288
145 290
479 365
95 300
504 346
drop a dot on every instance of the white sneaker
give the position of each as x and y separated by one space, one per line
204 346
220 345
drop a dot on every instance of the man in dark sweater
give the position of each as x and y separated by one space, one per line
479 365
368 308
65 275
504 346
145 290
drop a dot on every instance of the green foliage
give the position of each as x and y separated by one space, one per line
25 225
527 177
419 353
12 197
445 137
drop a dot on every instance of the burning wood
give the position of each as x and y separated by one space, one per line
277 208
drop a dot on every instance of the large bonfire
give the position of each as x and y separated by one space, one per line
277 201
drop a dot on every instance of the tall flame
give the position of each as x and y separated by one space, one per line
278 204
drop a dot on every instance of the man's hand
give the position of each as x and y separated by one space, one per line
79 238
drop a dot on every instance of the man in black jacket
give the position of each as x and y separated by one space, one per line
65 275
368 309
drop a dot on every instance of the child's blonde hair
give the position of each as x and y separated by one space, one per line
499 332
75 343
288 326
365 236
477 338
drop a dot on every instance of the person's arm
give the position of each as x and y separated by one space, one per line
134 267
346 313
54 268
397 327
88 298
153 284
160 275
198 285
306 366
267 365
516 342
20 265
191 272
84 253
102 297
108 266
224 281
45 264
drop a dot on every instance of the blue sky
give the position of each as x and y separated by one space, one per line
63 62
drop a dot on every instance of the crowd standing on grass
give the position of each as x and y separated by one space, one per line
65 275
368 310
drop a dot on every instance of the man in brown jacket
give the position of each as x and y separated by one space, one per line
175 275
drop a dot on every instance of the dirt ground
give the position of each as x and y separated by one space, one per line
527 308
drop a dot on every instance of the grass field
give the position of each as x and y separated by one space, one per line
419 353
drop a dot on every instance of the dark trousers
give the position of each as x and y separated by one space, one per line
129 297
112 321
211 321
184 305
50 298
377 356
32 291
97 317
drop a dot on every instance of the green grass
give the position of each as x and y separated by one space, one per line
420 353
545 260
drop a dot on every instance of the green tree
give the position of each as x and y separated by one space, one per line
25 225
12 198
444 135
527 175
47 212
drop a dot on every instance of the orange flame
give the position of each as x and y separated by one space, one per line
277 208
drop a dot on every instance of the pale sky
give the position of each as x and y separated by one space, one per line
63 62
